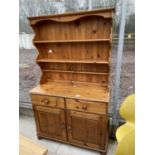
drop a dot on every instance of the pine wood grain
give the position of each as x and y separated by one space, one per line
71 101
73 90
73 61
28 147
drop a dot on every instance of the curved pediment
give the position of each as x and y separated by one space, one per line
68 17
63 20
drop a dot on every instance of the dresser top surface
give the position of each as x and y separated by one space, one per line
85 91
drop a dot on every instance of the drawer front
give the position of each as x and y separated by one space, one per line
48 101
87 106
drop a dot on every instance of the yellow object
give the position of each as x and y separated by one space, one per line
126 133
28 147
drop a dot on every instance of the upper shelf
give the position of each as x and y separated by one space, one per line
71 41
73 61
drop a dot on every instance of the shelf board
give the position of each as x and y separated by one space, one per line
70 41
74 72
73 61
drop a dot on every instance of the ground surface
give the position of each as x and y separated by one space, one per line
29 74
27 128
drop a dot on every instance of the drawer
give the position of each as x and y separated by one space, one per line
87 106
48 101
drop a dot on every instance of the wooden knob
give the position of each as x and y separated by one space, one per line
84 107
77 107
69 127
45 101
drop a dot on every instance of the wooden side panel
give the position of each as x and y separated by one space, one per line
50 122
86 129
84 28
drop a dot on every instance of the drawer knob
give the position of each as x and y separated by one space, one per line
45 101
69 127
77 107
84 107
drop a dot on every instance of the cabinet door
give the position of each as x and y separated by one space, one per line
87 129
50 122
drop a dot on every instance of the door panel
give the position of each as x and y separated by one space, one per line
77 130
86 129
51 122
93 132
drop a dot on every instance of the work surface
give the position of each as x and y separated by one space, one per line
73 90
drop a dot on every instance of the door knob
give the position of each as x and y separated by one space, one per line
84 107
69 127
45 101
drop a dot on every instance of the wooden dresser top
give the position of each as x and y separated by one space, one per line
91 92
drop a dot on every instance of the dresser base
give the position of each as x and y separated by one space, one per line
102 152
